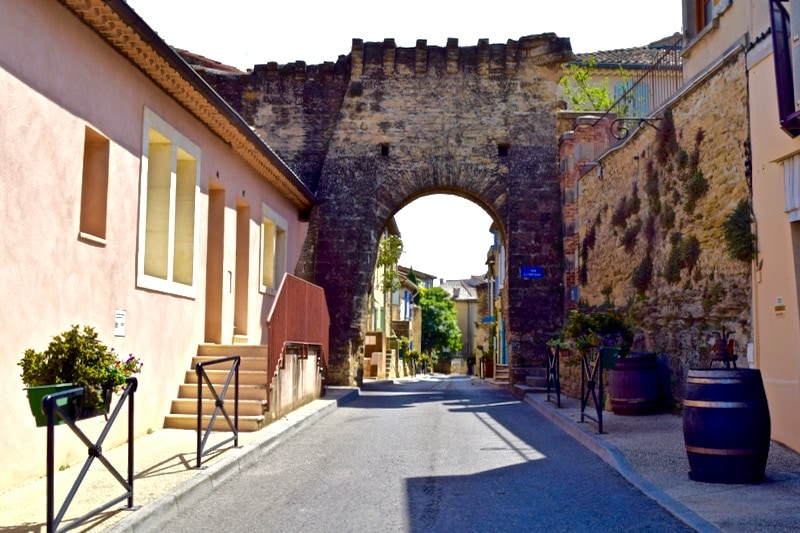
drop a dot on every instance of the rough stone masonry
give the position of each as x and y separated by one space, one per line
383 126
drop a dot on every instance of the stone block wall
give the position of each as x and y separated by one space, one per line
650 222
386 125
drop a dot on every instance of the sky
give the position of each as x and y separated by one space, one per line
445 236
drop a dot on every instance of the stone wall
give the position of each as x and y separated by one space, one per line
386 125
650 222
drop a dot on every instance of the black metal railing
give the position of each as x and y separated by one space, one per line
219 405
592 385
553 373
52 411
642 96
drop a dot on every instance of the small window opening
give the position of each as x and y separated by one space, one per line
502 150
94 187
385 149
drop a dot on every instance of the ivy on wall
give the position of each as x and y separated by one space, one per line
739 239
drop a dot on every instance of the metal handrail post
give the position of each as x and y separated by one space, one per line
219 405
236 405
199 371
95 451
131 382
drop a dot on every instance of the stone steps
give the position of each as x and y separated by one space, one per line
188 406
246 423
252 389
501 373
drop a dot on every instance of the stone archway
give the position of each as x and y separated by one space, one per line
385 125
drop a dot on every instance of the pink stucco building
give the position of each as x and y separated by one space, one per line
132 195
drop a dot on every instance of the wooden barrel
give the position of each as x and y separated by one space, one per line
634 386
726 425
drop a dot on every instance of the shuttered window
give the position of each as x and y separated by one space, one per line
791 187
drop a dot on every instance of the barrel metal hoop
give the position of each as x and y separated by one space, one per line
720 451
720 405
707 381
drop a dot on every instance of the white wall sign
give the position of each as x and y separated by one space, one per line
119 322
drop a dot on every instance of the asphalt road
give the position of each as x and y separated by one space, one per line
435 454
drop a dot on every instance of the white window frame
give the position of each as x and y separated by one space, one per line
179 143
274 231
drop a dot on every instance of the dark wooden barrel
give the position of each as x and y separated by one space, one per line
633 385
726 425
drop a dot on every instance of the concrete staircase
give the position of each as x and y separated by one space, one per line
252 389
536 381
501 373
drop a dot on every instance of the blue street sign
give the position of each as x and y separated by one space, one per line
531 272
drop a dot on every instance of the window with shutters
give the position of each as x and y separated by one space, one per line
700 15
785 16
636 102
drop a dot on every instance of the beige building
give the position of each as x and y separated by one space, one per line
464 293
136 201
773 82
768 33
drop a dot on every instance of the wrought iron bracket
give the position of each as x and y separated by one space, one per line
619 131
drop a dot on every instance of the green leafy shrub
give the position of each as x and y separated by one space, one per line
651 187
683 254
739 239
621 213
695 187
629 237
666 139
77 356
667 217
642 275
598 326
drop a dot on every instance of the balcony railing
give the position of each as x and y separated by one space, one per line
636 105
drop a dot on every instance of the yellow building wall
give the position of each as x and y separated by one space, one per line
777 331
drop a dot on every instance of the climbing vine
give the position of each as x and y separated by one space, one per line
739 239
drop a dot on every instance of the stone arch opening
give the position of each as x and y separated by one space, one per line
385 125
447 241
463 195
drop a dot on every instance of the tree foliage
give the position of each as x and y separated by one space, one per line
440 330
581 91
389 251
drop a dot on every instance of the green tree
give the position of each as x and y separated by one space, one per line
581 92
440 330
389 251
586 94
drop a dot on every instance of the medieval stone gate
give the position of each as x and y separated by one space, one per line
384 126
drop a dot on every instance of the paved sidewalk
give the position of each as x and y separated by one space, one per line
165 474
649 451
646 450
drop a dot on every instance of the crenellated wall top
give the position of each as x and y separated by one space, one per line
369 59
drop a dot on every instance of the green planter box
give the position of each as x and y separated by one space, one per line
35 396
610 354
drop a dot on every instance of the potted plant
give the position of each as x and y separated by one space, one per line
633 380
76 358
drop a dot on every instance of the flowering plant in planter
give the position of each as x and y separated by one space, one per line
77 356
594 328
